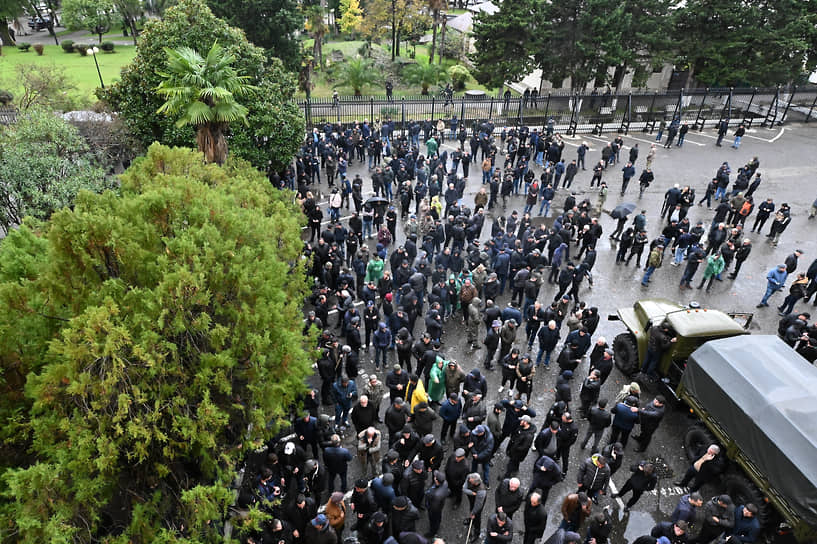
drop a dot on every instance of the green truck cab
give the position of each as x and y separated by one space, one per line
691 325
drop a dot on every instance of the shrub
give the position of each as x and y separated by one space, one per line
459 75
107 47
67 46
5 97
388 111
82 49
39 48
24 46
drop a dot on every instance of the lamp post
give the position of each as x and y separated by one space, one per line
94 51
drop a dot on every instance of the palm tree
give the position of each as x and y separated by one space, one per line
204 91
425 75
357 73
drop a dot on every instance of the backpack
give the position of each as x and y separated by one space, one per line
746 208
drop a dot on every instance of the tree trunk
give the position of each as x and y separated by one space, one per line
442 40
134 32
393 27
690 77
5 35
210 140
317 49
434 17
397 42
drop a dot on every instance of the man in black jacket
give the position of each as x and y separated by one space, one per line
650 417
519 444
456 471
509 496
536 518
434 503
362 503
599 419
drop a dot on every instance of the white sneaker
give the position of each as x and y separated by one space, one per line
501 388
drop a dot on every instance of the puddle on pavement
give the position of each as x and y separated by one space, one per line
628 526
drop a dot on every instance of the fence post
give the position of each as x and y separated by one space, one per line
573 121
337 112
491 110
625 121
403 113
700 111
679 108
747 122
788 105
432 108
520 111
811 109
371 108
773 107
651 122
547 107
462 111
308 113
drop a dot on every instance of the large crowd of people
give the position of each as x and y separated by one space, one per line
404 245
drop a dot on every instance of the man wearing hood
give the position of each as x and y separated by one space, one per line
491 342
472 320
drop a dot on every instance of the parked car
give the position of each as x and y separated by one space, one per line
39 23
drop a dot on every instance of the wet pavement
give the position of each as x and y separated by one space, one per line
788 171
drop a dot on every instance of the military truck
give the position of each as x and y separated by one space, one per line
692 326
753 395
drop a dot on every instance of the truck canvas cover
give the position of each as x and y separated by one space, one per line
763 394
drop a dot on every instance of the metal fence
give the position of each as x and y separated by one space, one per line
574 113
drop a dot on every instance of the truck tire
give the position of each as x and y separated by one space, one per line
626 353
743 491
696 440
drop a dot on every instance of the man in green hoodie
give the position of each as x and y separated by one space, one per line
714 266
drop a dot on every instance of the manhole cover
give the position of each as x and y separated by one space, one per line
662 469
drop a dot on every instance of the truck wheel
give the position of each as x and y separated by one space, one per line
626 353
743 491
696 440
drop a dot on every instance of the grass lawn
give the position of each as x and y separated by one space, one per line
323 87
81 69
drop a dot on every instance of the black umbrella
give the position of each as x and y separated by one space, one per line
378 203
622 210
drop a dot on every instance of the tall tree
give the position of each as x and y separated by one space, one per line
352 18
733 43
9 11
580 40
95 16
130 11
191 23
163 342
505 42
393 18
271 24
204 92
648 41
